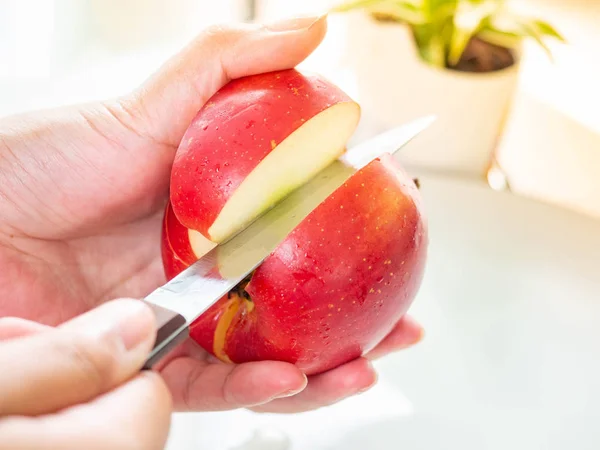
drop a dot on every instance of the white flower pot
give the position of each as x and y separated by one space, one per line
394 85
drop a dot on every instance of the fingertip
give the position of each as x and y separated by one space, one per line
285 378
300 23
318 29
296 384
218 54
357 376
252 52
327 388
255 383
144 315
406 333
369 379
413 330
130 320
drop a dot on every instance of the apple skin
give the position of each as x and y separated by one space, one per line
175 236
335 287
234 131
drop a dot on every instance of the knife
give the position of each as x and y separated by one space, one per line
189 294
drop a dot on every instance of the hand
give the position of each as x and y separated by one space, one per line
78 386
82 192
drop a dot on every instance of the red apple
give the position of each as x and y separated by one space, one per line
345 275
333 288
254 141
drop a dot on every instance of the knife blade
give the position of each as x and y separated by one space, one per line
188 295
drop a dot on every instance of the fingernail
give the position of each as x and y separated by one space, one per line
370 385
417 332
292 392
134 323
128 320
295 23
419 335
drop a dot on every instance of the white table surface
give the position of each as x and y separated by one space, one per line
510 360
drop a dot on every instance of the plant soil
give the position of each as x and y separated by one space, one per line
481 56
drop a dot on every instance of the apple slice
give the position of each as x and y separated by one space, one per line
180 246
257 139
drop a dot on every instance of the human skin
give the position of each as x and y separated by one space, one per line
79 385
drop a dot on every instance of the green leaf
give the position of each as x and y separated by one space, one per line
508 29
548 30
401 11
437 11
458 43
356 4
432 50
499 37
532 31
468 20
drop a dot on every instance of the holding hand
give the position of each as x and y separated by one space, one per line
78 386
82 192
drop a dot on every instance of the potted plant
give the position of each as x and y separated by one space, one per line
458 59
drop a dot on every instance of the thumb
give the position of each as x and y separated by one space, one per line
168 101
76 362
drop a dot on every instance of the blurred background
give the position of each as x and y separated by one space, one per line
540 122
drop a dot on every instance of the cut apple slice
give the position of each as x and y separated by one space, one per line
199 244
256 140
186 245
289 165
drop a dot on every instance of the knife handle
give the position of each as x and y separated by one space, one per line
172 329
